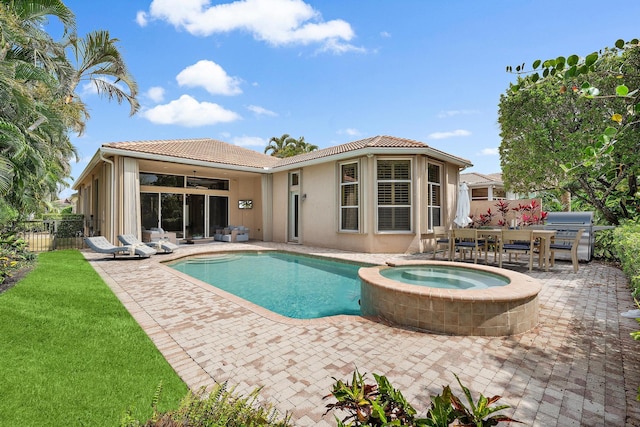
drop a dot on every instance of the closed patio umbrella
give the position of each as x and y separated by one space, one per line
464 207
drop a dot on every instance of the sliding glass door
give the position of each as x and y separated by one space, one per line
172 213
218 213
169 211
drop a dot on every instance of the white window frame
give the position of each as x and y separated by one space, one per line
343 185
430 187
410 194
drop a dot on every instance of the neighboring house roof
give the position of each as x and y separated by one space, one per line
221 154
474 179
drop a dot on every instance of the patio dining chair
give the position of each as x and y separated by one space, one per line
466 239
441 236
516 242
570 245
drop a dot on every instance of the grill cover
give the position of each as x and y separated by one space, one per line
567 224
572 218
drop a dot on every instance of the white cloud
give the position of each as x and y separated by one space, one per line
451 134
385 34
349 131
211 77
156 93
277 22
261 111
490 151
141 18
89 89
187 111
249 141
452 113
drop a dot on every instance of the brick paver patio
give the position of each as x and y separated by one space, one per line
579 367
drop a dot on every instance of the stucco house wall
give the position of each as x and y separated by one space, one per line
110 190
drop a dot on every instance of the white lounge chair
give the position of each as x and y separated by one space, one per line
101 245
164 245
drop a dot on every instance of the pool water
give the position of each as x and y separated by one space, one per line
292 285
445 277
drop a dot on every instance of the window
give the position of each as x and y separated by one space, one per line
207 183
394 195
480 193
161 180
349 197
434 201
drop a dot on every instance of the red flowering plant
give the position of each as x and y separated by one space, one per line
529 214
503 208
482 220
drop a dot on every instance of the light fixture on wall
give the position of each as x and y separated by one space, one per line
304 196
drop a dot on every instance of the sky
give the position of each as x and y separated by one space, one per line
332 71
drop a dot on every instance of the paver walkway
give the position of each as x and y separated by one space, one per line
579 367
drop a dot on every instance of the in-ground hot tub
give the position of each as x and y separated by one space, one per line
507 308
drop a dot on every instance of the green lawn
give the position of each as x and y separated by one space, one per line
70 353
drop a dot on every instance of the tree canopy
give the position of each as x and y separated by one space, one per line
287 146
575 128
38 102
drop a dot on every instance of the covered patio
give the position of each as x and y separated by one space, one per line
577 367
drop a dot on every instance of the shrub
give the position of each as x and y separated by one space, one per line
626 244
220 407
604 246
13 254
373 405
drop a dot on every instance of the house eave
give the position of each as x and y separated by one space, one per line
377 151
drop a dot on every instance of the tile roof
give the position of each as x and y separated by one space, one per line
203 149
475 178
211 150
373 142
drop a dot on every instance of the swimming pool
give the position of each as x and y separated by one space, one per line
292 285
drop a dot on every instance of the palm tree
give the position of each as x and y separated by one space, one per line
100 62
29 60
301 146
279 147
38 103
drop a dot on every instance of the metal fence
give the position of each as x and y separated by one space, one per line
51 234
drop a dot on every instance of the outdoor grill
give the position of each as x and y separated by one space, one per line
567 225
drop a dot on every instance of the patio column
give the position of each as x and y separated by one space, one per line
131 222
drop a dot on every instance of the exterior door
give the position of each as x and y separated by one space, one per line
195 208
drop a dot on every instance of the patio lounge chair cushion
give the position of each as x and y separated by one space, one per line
101 245
161 244
232 233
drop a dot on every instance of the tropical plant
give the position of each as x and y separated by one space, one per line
370 404
380 404
220 406
478 413
572 124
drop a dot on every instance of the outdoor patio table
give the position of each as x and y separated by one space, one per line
545 236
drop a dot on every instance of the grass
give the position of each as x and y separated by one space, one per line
71 354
